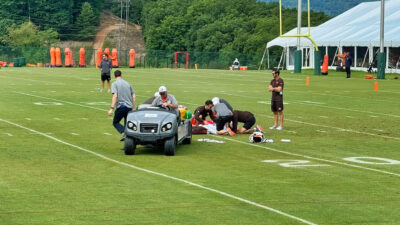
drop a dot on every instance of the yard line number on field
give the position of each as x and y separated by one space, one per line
161 174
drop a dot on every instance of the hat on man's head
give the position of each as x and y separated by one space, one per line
162 89
215 100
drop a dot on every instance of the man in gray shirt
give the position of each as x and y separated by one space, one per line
124 98
105 68
165 100
224 117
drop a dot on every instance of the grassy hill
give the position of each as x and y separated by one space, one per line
329 7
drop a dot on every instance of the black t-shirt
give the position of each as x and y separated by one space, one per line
201 110
277 96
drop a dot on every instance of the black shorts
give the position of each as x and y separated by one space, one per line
249 123
222 120
105 76
276 106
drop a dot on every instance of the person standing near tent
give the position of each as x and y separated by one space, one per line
348 62
105 68
276 87
123 99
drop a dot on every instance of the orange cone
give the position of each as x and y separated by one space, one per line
307 81
376 86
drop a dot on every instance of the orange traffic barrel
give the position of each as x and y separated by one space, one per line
52 57
82 57
114 58
99 56
132 58
58 57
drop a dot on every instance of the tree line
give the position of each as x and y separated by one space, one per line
240 26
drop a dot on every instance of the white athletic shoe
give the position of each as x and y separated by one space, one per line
101 90
273 127
279 128
109 91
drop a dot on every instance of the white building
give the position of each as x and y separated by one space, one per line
356 31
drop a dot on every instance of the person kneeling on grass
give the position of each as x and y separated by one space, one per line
224 117
124 98
248 119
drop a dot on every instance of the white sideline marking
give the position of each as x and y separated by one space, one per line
8 134
351 117
22 93
75 134
108 134
373 116
57 118
321 131
162 174
325 117
29 119
84 118
310 157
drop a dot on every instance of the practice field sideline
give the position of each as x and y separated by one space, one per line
342 165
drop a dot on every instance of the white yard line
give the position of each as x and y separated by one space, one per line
162 174
309 157
40 81
337 128
37 96
8 134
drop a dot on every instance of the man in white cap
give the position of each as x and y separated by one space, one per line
165 100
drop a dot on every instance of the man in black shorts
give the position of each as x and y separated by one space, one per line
224 117
105 68
276 87
244 117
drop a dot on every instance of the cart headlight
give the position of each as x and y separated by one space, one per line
166 127
132 126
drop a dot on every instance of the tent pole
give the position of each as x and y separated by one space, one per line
268 57
365 57
334 57
262 59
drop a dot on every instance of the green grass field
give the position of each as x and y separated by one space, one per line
60 161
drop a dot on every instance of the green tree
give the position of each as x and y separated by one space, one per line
85 23
28 34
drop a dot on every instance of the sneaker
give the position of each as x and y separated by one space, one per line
122 138
101 90
259 129
109 91
279 128
273 127
230 132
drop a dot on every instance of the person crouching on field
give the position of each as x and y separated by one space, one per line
201 113
248 119
224 117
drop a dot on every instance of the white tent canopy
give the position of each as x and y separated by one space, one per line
357 27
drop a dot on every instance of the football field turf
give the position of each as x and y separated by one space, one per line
60 161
